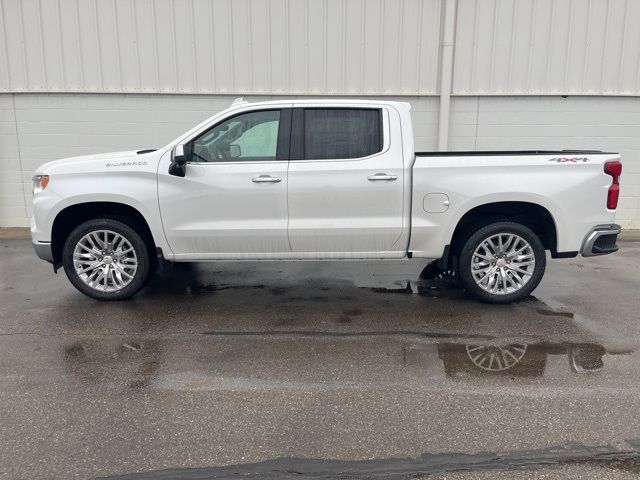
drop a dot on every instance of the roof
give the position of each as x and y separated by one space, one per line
324 101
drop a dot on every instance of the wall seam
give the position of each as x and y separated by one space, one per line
475 140
15 123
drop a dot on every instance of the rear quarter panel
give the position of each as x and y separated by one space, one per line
574 193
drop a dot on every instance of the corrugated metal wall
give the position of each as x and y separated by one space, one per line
220 46
540 47
361 47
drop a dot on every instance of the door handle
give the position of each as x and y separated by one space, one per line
381 176
266 179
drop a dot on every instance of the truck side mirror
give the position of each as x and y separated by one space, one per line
178 162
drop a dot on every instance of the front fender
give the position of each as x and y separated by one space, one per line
69 190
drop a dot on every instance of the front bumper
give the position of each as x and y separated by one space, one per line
601 240
44 251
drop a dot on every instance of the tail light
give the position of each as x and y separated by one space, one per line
615 170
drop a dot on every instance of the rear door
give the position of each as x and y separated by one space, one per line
345 193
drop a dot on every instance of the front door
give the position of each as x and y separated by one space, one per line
345 183
232 201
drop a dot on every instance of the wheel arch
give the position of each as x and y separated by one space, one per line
532 215
72 216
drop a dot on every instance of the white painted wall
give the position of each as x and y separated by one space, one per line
528 123
82 76
12 196
43 127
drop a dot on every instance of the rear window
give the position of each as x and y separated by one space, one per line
339 133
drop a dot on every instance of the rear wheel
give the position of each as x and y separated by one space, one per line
502 262
106 259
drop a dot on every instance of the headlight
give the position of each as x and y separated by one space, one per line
40 182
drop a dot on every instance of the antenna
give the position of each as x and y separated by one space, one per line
238 101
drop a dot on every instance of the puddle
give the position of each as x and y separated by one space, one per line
303 362
131 362
289 327
519 359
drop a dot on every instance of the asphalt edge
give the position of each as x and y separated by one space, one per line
402 468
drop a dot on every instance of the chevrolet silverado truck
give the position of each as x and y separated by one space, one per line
322 180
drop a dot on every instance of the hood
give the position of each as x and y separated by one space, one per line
90 159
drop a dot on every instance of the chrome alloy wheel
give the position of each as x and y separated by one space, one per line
498 358
105 260
503 263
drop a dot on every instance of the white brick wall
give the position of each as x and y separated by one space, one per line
12 199
512 123
53 126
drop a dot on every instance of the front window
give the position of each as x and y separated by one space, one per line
245 137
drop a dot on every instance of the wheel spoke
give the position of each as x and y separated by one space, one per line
481 280
117 278
520 270
515 278
89 239
496 358
524 263
122 271
506 351
519 250
492 246
116 242
88 249
488 258
92 266
507 245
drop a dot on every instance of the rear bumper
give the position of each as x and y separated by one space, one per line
601 240
43 250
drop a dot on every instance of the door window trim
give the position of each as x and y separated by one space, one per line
282 146
296 150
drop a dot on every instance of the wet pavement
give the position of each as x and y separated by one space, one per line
236 363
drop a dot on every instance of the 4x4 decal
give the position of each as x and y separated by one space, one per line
569 159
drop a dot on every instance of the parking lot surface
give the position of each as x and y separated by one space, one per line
225 364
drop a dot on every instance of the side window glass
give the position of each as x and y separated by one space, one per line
245 137
341 133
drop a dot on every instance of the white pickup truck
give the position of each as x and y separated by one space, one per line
322 179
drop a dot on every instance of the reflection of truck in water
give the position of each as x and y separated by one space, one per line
157 363
517 359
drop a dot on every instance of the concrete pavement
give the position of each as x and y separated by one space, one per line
235 363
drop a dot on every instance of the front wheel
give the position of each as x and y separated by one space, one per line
106 259
502 262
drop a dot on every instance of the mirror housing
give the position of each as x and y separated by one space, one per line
178 162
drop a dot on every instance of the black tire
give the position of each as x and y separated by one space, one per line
473 241
145 262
